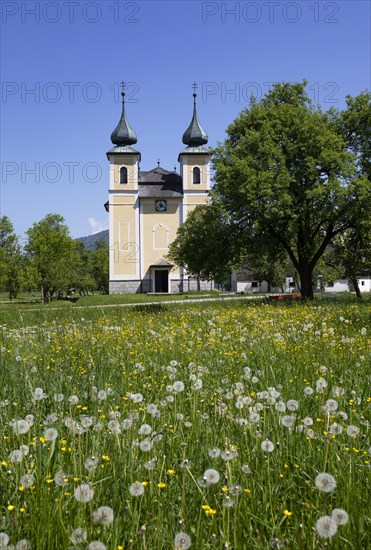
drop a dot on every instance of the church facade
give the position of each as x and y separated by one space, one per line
146 208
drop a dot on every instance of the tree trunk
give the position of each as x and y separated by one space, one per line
306 285
356 287
198 284
45 295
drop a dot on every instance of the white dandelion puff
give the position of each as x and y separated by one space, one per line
39 394
339 516
136 489
91 463
51 434
60 478
292 405
353 431
145 429
326 527
325 483
27 480
214 452
22 544
182 541
16 456
331 405
58 397
96 545
211 476
267 446
145 445
288 420
178 386
4 540
84 493
79 536
228 454
103 516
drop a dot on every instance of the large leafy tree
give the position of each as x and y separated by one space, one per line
11 260
286 175
203 245
52 254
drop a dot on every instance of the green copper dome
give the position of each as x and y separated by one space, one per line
195 135
123 134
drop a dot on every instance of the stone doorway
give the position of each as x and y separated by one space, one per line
161 280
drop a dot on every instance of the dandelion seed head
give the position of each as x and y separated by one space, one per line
339 516
292 405
353 431
326 527
16 456
51 434
182 541
178 386
4 540
145 445
267 446
136 489
23 544
79 536
325 483
104 515
211 476
27 480
96 545
214 452
84 493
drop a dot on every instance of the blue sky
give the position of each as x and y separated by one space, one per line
61 62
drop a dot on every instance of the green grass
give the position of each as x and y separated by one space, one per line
114 368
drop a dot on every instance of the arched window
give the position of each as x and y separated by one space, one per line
196 175
123 174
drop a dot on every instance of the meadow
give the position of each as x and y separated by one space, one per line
209 426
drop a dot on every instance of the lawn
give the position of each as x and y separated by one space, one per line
229 425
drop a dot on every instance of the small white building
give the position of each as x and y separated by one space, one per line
345 285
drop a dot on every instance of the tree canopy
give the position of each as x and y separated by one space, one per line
286 174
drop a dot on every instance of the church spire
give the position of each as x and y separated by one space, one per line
123 134
195 135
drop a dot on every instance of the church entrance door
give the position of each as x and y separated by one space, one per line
161 280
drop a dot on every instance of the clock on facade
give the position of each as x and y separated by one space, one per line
161 206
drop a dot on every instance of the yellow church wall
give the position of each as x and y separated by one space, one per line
158 230
124 245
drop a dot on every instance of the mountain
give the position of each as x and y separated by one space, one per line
90 240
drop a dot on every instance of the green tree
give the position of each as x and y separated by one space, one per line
285 173
203 245
52 254
350 254
99 258
10 258
355 123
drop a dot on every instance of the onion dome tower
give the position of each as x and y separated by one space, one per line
195 158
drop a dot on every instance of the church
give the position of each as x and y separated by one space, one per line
147 207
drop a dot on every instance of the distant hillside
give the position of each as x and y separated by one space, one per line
90 240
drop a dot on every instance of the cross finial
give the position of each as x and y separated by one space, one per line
158 162
194 86
123 89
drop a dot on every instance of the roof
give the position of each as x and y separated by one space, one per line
195 135
123 134
123 150
161 263
159 182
